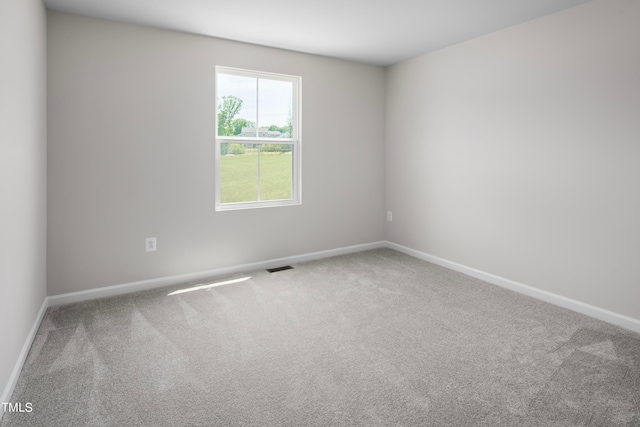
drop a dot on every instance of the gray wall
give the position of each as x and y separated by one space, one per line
518 154
131 144
23 187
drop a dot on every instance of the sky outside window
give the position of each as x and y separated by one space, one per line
274 101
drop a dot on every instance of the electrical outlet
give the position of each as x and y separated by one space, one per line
389 216
151 244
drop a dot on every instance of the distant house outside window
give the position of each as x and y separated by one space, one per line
258 149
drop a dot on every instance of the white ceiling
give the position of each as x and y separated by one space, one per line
380 32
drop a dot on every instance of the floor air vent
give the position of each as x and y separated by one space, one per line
273 270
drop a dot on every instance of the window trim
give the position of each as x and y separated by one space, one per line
294 141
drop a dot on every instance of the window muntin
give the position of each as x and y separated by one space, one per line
258 139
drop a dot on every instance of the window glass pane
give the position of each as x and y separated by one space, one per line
275 98
237 109
238 173
251 104
276 171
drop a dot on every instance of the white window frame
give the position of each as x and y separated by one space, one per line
294 141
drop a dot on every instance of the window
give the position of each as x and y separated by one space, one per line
258 139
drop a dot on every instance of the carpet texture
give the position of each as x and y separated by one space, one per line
373 338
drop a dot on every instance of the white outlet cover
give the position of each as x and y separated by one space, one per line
150 244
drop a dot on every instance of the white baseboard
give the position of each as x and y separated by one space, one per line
13 379
571 304
143 285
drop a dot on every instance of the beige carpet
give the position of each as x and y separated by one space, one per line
373 338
